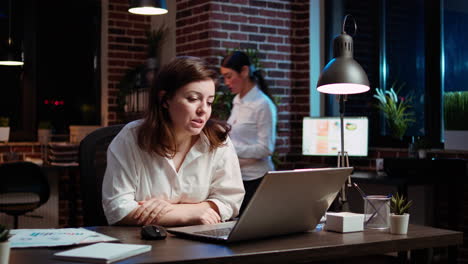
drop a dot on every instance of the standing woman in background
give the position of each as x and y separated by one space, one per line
253 120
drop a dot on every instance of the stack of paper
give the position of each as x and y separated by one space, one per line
55 237
63 154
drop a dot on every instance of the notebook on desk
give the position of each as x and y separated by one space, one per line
102 252
286 202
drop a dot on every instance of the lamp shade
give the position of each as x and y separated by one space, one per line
10 57
343 75
148 7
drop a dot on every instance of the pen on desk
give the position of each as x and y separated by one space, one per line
359 190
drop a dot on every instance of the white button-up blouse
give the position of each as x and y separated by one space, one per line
253 133
133 175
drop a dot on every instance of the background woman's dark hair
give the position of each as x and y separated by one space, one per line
239 59
156 134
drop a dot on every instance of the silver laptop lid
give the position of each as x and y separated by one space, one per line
289 201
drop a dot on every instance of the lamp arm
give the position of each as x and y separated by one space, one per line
342 110
343 156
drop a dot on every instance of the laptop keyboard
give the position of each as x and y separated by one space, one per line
220 232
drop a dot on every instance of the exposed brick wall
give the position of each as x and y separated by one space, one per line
126 47
278 29
11 151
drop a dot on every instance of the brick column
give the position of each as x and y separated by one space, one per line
126 48
279 30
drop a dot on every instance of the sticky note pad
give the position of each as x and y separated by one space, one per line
344 222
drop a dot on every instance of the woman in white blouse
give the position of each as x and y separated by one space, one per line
176 166
253 120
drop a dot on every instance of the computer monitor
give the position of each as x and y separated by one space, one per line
321 136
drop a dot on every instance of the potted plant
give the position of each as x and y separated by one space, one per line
44 131
399 218
4 128
421 145
455 130
395 110
155 40
4 245
133 85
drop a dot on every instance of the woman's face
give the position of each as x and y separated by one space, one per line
234 80
190 107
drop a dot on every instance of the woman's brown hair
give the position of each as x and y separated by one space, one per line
156 134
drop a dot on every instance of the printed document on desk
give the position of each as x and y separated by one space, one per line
24 238
103 252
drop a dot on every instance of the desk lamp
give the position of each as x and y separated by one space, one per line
148 7
10 57
343 76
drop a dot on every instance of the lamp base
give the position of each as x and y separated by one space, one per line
339 205
341 202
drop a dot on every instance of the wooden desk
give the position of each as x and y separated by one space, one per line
298 248
450 183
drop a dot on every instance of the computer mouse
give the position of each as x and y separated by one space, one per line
153 232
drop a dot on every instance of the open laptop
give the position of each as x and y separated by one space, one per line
285 202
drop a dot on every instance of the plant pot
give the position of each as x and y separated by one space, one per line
4 134
456 139
422 153
4 252
399 224
43 135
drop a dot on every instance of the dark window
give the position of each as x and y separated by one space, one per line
60 81
397 41
455 64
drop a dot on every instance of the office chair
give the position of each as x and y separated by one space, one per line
24 187
93 162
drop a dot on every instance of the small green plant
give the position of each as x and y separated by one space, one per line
45 125
455 110
155 40
399 205
222 103
129 82
396 110
4 121
4 232
134 78
421 143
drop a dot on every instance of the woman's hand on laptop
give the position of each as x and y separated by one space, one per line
191 214
206 216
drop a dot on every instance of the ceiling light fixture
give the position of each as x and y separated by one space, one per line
148 7
11 57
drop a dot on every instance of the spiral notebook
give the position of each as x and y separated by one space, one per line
103 252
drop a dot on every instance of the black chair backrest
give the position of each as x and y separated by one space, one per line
24 177
93 162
